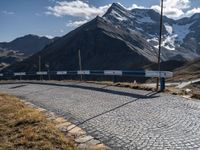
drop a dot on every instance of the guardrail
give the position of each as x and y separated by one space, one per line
149 74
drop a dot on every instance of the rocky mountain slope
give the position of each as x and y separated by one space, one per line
102 46
189 71
21 48
28 44
181 40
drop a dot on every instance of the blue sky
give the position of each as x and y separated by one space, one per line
58 17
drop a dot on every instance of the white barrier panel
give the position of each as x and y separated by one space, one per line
82 72
41 73
163 74
61 72
20 74
1 75
113 72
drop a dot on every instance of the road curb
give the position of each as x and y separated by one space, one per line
82 140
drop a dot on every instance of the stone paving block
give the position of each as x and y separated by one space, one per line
83 139
63 125
99 147
60 120
121 116
76 131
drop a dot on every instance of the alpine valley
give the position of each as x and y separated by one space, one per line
121 39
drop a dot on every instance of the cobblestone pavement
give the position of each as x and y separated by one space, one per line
121 118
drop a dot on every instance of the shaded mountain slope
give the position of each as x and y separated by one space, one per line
102 47
21 48
28 44
189 71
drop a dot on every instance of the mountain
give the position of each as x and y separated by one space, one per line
21 48
102 46
189 71
28 44
121 39
181 40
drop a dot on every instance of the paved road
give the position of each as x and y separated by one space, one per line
121 118
184 84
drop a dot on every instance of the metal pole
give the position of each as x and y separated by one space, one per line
162 84
48 69
49 74
39 65
160 43
80 63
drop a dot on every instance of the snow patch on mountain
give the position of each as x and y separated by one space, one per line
169 42
169 28
145 19
152 40
118 16
139 29
181 31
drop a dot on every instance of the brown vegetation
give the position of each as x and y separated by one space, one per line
24 128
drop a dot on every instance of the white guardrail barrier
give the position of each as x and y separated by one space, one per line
148 74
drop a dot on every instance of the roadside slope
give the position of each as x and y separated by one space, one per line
25 128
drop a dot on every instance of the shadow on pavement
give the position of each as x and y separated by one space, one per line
150 94
98 89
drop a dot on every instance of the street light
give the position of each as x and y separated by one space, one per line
80 62
48 69
160 43
39 66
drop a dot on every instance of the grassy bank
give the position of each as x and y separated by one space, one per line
24 128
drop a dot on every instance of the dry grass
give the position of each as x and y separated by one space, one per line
184 76
194 93
196 96
195 90
24 128
124 84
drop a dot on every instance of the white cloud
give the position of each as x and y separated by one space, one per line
134 6
84 12
76 23
76 8
5 12
192 11
177 8
171 12
49 36
180 4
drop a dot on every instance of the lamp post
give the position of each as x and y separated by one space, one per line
160 43
48 69
39 66
80 62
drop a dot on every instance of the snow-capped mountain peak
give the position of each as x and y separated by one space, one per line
177 34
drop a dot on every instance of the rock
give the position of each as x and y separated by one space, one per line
99 147
83 139
83 146
187 91
60 120
75 131
93 142
61 125
41 110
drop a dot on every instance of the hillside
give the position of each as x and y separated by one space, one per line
28 44
188 72
21 48
102 47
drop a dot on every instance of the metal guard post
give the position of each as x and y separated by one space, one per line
162 84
